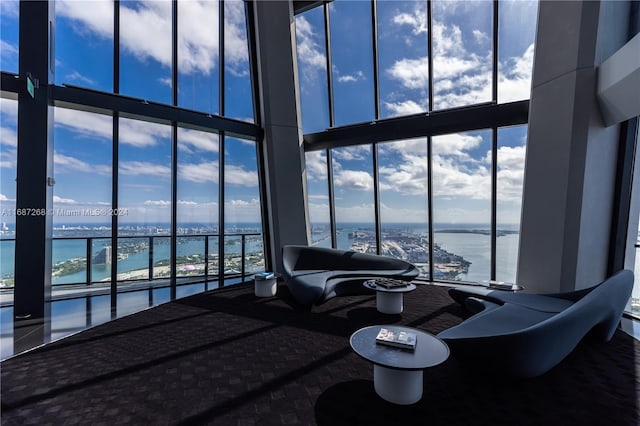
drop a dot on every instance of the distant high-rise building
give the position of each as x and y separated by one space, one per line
103 257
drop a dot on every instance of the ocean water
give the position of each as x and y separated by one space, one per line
475 248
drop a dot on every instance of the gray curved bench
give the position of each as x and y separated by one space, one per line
316 274
525 335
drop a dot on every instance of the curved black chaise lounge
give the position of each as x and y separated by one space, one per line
315 274
526 335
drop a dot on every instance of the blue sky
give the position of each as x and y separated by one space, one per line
462 73
82 141
462 66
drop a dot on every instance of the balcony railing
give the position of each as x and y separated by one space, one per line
87 260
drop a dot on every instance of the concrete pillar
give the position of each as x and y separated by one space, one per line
571 159
34 166
282 145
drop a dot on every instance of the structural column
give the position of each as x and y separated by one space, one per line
34 195
571 164
282 144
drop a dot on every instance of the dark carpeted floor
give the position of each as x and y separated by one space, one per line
226 357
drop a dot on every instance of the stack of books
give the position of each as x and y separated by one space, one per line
398 339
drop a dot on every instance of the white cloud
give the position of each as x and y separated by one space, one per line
199 173
351 78
202 141
237 175
146 31
455 144
142 133
60 200
8 50
408 107
316 165
157 203
5 198
412 73
308 50
353 179
64 164
514 77
8 137
417 20
143 168
480 36
357 152
76 76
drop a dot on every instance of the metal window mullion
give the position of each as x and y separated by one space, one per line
327 43
115 140
376 198
374 46
253 62
221 69
332 204
221 195
494 199
430 56
114 218
430 204
174 152
494 79
88 254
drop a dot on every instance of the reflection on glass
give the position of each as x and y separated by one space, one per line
354 203
198 49
462 206
8 159
145 49
84 44
352 61
403 57
511 156
516 31
198 194
242 206
81 197
312 70
462 52
318 198
133 259
213 257
9 35
67 317
403 175
238 95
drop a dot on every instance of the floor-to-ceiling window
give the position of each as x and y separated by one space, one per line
440 88
149 97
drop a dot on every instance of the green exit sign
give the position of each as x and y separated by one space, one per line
30 87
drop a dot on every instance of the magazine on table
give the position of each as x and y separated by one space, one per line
390 283
398 339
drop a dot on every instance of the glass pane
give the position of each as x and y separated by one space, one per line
517 33
144 180
511 157
161 257
8 162
198 50
403 175
312 70
353 186
352 61
403 57
254 254
9 15
213 258
6 332
81 196
84 43
462 52
132 301
318 198
238 95
198 195
462 206
242 203
68 316
145 49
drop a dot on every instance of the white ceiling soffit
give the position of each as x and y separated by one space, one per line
619 84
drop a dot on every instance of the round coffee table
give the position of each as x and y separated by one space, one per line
397 373
389 300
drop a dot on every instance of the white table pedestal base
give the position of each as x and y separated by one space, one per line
402 387
389 303
266 288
